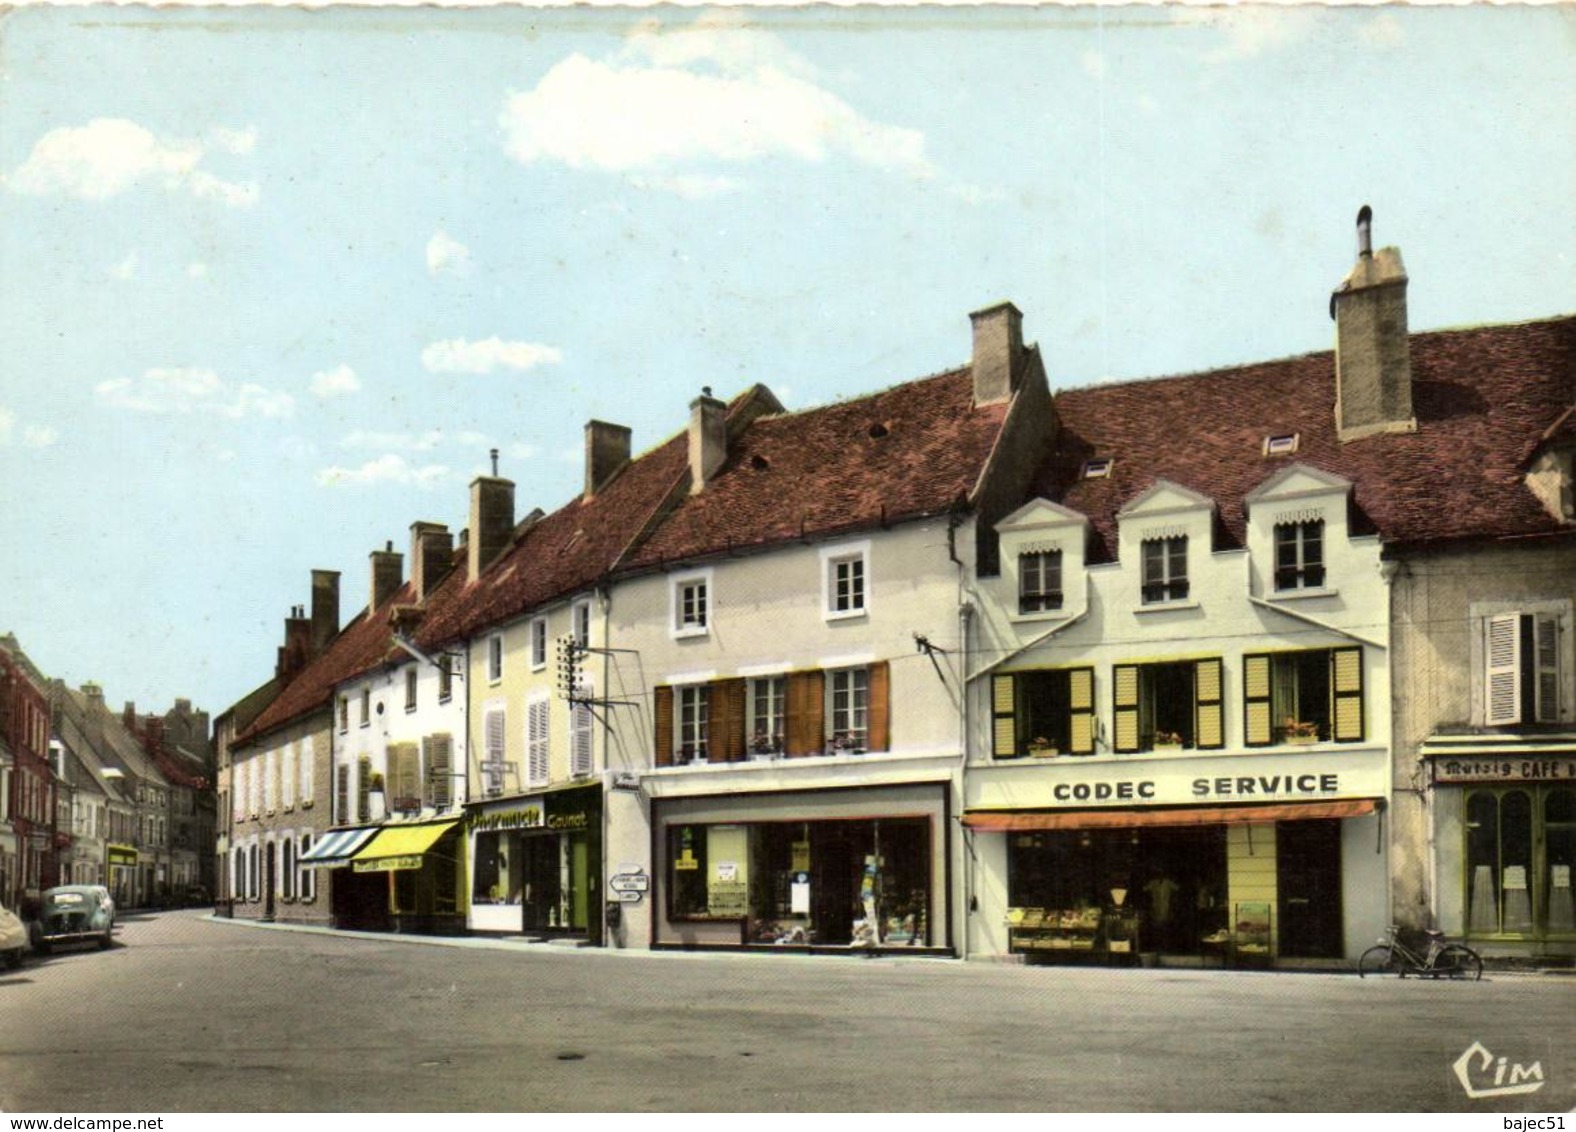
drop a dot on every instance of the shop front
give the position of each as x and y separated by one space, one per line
536 864
1504 814
420 867
836 869
356 902
120 865
1231 860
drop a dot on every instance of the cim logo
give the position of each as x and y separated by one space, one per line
1509 1079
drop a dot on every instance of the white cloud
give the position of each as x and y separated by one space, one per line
110 156
690 187
334 382
414 441
456 355
192 390
1093 63
197 271
389 468
446 255
126 268
522 451
7 424
703 93
234 141
1384 32
1248 30
32 435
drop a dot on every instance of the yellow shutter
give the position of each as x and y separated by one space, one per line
1124 690
1004 733
1080 683
1257 728
1346 688
1209 724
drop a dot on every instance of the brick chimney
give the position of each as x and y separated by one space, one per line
1373 361
388 574
431 555
491 523
128 716
708 439
325 609
607 451
998 350
95 696
296 653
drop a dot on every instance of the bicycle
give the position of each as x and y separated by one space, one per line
1441 960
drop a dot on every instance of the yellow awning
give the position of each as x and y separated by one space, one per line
399 847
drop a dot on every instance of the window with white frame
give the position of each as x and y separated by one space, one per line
1039 581
495 658
1165 569
1299 555
255 785
445 677
366 707
691 720
306 772
344 713
690 598
410 688
538 643
581 722
1523 682
307 880
768 714
849 716
538 736
845 580
580 621
287 769
287 867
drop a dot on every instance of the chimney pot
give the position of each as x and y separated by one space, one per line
708 439
1373 361
607 451
998 350
1365 218
431 553
388 574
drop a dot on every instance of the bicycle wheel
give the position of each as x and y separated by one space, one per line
1380 959
1457 961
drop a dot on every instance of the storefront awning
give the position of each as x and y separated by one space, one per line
1008 821
400 847
336 847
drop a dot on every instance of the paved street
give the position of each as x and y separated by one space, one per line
188 1014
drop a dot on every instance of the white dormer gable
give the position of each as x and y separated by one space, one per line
1310 507
1297 482
1047 532
1164 498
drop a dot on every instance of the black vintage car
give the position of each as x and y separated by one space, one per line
74 913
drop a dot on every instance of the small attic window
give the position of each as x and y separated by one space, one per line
878 430
1285 444
1096 469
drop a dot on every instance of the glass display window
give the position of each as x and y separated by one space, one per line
1520 848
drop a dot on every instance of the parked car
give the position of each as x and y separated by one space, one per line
74 913
13 938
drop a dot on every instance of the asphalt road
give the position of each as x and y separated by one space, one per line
187 1014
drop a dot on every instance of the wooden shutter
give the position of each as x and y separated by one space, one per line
725 725
878 723
662 723
1004 717
1209 720
1257 727
1545 662
1124 699
1080 698
1346 690
404 781
806 704
438 755
538 739
581 723
1502 669
493 723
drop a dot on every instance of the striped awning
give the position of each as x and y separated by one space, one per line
1006 821
336 847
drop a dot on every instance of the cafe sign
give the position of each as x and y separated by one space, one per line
1502 768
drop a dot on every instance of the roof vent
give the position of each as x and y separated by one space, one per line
760 463
1283 445
878 430
1096 469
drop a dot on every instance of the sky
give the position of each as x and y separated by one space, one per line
273 282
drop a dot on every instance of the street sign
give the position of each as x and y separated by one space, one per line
630 897
630 882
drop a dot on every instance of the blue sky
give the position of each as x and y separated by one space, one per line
272 282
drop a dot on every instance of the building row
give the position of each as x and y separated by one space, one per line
92 796
1246 664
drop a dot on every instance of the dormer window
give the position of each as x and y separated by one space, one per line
1299 555
1165 570
1039 581
1285 444
1096 469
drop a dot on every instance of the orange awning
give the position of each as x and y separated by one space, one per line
1007 821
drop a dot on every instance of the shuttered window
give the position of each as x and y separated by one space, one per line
1043 711
493 722
806 713
538 713
662 724
725 738
1124 691
438 756
404 780
581 722
1315 695
1209 719
1346 686
1521 669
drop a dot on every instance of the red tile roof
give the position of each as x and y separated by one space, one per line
1484 398
906 452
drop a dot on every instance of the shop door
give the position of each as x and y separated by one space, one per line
543 893
833 885
1309 881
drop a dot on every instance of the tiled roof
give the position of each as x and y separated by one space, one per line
1484 398
906 452
566 552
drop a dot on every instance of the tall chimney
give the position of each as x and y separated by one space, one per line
607 451
431 552
325 609
491 522
708 439
296 653
388 574
998 348
1373 360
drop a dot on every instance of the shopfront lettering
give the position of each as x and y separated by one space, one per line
567 821
529 817
1266 785
1555 769
1102 791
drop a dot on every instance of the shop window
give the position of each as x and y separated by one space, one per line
1160 706
1043 712
1299 555
1522 669
1165 570
1520 847
1040 581
768 710
1311 696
